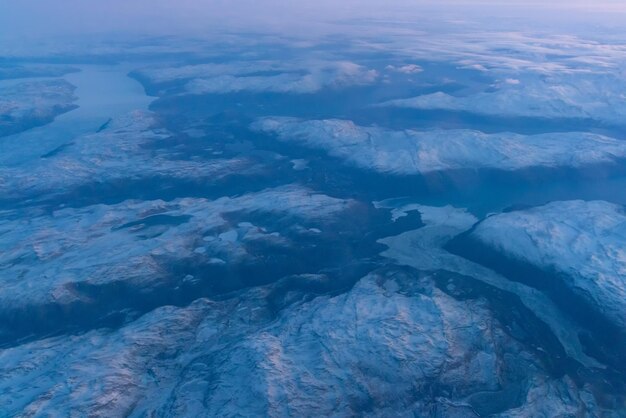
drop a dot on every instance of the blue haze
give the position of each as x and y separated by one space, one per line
251 209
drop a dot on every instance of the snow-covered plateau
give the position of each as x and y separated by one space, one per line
418 152
598 97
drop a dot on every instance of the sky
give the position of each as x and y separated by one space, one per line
44 18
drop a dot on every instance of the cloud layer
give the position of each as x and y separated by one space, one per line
38 18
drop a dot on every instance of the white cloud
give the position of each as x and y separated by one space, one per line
405 69
40 18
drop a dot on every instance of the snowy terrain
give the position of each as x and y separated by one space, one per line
582 240
281 77
597 97
350 220
119 151
32 103
376 346
415 152
61 258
